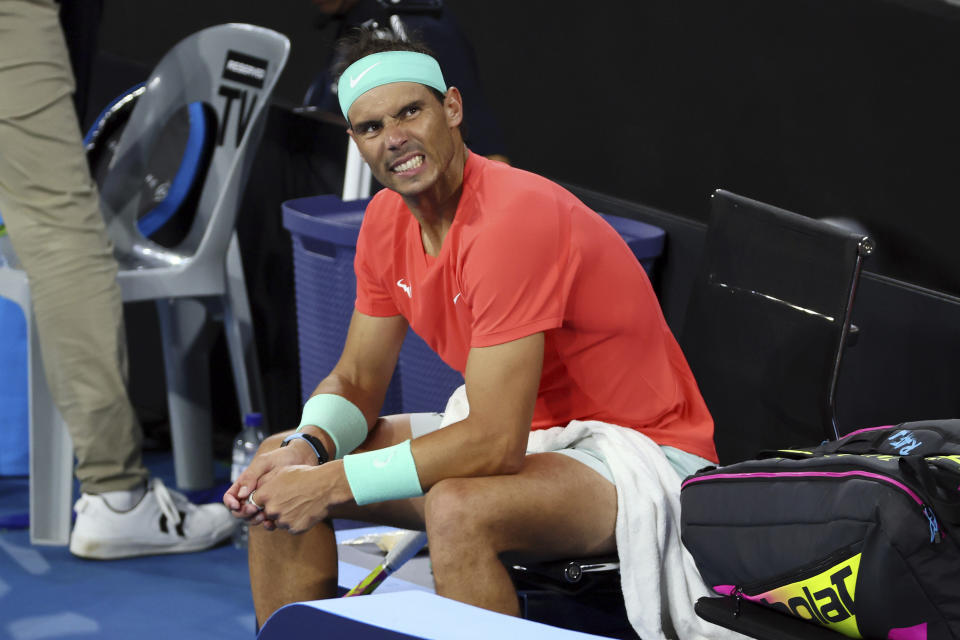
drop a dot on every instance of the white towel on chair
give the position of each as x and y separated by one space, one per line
660 580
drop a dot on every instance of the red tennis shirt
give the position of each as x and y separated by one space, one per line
523 255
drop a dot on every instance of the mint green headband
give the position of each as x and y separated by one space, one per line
386 67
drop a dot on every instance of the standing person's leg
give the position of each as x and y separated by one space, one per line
52 211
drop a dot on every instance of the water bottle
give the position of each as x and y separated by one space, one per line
244 448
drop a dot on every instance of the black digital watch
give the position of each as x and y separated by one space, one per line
313 441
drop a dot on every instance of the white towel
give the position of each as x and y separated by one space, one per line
660 580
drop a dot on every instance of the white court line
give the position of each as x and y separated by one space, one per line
29 559
57 625
248 621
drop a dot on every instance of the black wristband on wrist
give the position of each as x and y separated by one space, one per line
313 441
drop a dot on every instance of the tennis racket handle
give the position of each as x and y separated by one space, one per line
370 583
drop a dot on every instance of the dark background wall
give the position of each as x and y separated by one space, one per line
828 108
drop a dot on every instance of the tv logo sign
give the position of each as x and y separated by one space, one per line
246 70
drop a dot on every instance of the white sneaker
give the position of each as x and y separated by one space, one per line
164 521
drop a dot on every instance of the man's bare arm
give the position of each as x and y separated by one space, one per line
502 383
362 375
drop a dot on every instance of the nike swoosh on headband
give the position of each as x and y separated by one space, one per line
355 79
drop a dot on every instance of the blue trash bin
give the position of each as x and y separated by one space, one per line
324 232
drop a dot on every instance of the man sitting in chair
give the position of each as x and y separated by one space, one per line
515 283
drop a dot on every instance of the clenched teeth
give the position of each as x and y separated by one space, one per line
412 163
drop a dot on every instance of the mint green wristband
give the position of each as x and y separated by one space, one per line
384 474
339 417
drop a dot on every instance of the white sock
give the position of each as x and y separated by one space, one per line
123 500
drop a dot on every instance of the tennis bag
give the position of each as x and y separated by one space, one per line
859 535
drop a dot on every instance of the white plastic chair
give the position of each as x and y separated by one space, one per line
231 68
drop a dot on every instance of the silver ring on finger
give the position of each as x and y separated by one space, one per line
250 500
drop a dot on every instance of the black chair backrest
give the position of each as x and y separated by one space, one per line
767 323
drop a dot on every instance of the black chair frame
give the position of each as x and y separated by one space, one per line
755 259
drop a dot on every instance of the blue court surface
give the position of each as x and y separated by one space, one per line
46 593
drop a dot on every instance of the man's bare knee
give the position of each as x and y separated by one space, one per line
455 512
465 545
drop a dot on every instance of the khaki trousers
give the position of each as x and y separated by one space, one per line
52 211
